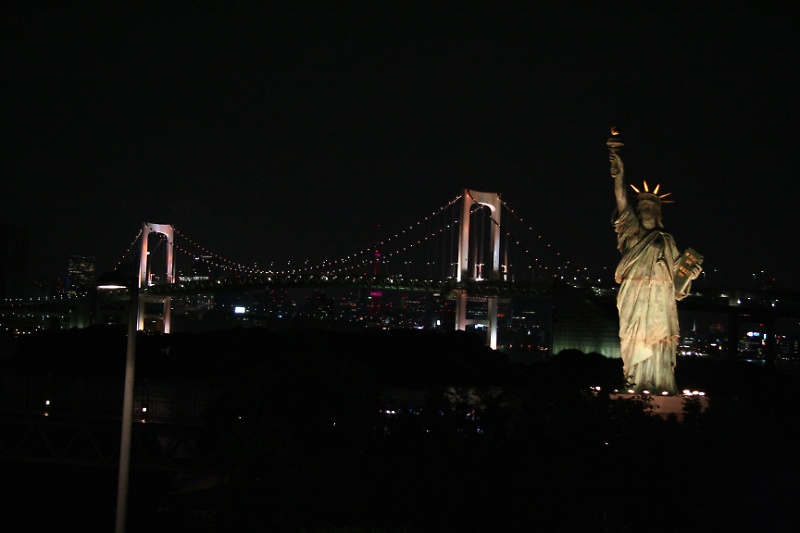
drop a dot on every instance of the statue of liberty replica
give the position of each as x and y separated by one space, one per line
652 275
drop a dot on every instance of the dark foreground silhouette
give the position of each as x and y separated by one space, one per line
416 431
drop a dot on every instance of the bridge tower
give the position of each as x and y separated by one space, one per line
464 273
144 271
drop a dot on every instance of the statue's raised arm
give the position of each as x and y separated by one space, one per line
618 173
614 144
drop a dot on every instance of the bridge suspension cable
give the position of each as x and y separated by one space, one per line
392 247
565 263
128 251
403 251
213 258
404 240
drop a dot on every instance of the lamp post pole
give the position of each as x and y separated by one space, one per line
127 411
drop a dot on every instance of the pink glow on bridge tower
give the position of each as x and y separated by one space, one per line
145 274
376 296
476 273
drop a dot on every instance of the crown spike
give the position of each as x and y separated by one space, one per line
646 189
664 195
655 191
634 188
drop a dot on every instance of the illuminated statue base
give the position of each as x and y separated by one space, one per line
665 406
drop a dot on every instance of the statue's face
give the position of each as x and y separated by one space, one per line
649 212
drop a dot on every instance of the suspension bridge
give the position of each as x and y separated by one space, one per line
474 248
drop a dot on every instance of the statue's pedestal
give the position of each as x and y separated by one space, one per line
665 405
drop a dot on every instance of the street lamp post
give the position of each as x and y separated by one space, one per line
113 280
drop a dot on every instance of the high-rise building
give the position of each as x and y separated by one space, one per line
80 274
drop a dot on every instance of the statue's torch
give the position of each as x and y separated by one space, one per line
614 144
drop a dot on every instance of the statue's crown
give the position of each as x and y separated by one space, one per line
653 196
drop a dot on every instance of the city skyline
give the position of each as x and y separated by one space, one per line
272 137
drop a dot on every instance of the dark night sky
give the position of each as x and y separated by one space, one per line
269 136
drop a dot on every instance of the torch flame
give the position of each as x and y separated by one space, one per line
614 131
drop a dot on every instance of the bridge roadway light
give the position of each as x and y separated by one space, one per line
110 281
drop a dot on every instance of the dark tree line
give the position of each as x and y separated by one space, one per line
308 439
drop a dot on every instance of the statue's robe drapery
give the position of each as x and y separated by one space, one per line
648 314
